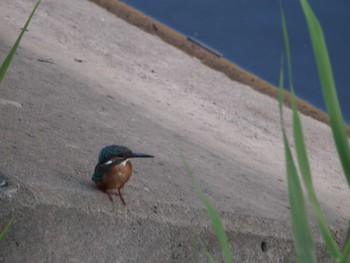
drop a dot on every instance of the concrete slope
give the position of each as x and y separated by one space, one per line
83 79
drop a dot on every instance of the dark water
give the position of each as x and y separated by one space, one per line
249 33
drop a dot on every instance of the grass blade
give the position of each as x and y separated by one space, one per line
218 226
301 229
5 65
215 219
346 252
303 240
195 248
345 255
307 179
286 43
328 87
303 158
195 241
347 237
209 256
6 229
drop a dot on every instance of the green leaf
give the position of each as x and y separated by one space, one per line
328 88
196 240
301 229
306 175
7 62
345 255
303 240
215 219
6 229
209 256
346 252
286 43
303 159
195 248
218 226
347 237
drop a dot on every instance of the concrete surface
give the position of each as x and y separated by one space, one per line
82 79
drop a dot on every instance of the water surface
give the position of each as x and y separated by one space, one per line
249 33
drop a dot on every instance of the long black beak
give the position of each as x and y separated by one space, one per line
140 155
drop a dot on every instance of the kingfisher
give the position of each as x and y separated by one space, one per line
114 169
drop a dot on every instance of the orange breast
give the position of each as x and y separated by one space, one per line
116 177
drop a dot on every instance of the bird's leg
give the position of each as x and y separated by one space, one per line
110 197
120 196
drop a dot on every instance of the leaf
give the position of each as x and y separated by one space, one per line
5 65
328 88
346 252
303 158
6 229
195 248
303 240
215 219
209 256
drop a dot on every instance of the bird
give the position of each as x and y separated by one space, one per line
114 169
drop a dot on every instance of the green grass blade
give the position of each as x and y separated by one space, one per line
301 229
303 160
195 241
286 43
215 219
218 226
345 255
306 175
328 87
347 237
5 65
6 229
346 252
209 256
303 240
280 94
195 248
